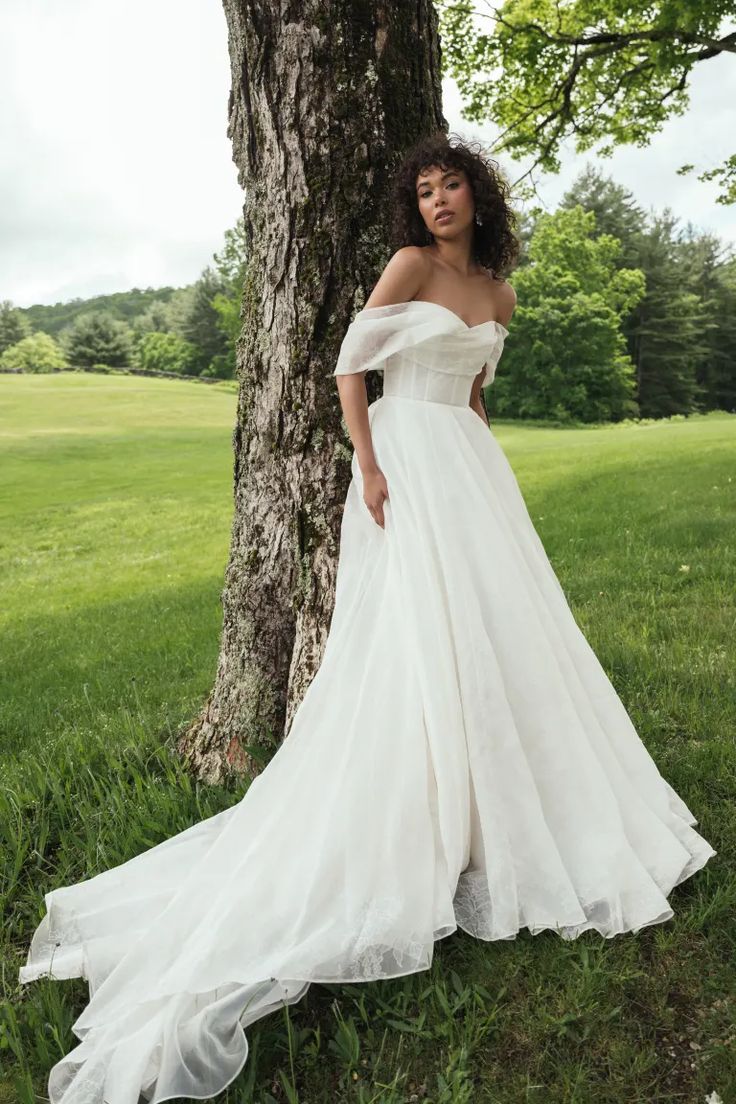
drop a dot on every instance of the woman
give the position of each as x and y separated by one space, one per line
460 759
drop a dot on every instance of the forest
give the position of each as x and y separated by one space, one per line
622 314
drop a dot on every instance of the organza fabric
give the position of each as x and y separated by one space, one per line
460 760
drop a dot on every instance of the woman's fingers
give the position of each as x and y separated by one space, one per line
377 512
375 493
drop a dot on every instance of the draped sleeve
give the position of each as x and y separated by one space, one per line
427 333
378 333
491 363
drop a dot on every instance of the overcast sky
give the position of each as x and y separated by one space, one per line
116 167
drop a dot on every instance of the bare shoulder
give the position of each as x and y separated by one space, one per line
401 278
504 298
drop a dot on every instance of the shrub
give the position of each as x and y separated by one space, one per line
36 353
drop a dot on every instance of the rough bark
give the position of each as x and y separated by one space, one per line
325 96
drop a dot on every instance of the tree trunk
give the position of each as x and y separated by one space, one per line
325 97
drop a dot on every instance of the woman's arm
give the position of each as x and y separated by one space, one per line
354 402
399 282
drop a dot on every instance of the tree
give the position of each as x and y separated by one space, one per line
36 353
194 317
568 358
165 352
126 306
667 329
97 338
322 106
708 267
14 325
616 212
230 265
156 318
681 332
231 261
596 72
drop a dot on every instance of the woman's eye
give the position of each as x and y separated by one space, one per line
452 184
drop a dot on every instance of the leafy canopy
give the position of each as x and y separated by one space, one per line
97 338
166 352
568 358
36 353
13 325
600 72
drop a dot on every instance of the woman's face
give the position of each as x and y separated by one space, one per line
446 192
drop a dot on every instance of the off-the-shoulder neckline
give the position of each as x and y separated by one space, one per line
431 303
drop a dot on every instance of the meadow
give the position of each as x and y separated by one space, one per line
115 513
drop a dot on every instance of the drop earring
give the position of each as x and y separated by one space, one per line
478 220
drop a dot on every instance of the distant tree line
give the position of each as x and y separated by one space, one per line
621 314
190 330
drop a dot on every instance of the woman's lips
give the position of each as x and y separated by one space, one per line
445 216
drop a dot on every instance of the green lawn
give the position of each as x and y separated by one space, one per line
115 511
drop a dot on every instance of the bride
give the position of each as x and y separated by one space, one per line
460 759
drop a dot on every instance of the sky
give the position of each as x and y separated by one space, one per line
116 168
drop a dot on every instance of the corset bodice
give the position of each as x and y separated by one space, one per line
424 350
409 378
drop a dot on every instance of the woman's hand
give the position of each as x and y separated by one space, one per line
375 490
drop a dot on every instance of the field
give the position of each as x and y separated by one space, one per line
115 511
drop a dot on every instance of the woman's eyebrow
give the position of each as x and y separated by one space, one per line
450 172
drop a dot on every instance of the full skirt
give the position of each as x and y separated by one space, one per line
460 760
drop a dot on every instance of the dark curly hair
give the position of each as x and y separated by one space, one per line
495 245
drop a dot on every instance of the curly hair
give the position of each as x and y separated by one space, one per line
495 245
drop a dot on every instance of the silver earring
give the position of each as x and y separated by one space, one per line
478 220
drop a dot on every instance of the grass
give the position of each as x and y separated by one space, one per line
115 511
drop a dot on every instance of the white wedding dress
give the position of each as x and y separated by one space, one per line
460 759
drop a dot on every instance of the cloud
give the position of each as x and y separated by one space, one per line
117 170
